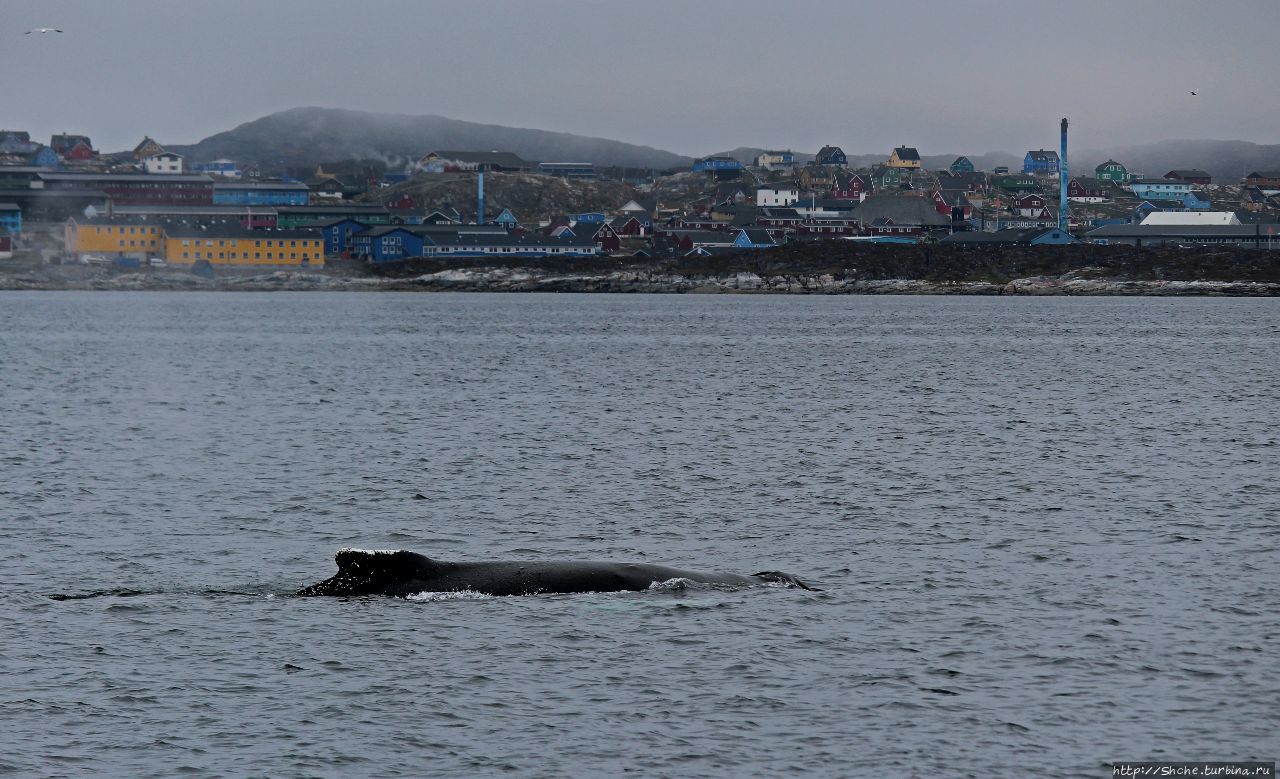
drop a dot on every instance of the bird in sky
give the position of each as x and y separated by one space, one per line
1194 92
41 30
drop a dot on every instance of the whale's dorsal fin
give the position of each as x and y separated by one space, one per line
369 561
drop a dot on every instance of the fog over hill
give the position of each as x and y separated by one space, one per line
308 136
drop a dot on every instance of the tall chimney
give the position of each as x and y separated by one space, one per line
1063 222
480 199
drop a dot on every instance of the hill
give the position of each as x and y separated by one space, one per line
305 137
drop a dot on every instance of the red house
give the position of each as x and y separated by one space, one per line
849 186
81 151
946 199
601 232
628 226
1029 205
403 202
1085 190
1195 176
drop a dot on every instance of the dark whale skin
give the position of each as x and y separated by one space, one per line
402 573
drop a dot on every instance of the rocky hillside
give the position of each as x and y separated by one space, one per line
308 136
531 198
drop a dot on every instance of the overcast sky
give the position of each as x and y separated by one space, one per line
945 76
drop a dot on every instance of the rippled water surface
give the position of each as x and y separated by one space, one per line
1046 531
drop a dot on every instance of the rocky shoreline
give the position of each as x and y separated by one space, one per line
655 281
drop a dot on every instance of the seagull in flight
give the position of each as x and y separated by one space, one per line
1194 92
41 30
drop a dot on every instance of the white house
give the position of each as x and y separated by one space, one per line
777 196
164 162
776 160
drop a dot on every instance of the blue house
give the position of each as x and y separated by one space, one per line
1040 161
10 219
338 235
46 158
962 165
588 216
1197 200
506 219
261 193
1147 206
754 239
717 165
831 155
388 243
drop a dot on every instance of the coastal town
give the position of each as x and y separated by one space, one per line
67 203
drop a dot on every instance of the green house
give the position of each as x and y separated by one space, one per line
1017 182
884 177
1112 171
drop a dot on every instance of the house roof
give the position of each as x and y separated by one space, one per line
1088 182
1191 218
192 231
1193 173
1183 231
1043 155
756 235
262 186
907 153
1161 204
535 240
1012 235
903 210
337 212
108 178
704 236
205 210
1158 181
1109 163
1264 174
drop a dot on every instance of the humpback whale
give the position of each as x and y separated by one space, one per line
401 573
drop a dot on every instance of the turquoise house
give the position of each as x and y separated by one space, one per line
1160 189
10 219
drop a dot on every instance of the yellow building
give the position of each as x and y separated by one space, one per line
904 157
113 237
237 246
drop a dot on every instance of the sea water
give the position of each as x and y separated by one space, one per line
1046 533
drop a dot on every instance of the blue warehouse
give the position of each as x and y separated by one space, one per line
261 193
